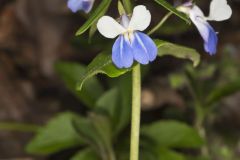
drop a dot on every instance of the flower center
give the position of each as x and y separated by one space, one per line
129 36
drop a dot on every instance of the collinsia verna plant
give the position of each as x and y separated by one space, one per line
131 44
131 49
219 11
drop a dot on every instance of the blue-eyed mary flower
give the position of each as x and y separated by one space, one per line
83 5
219 11
131 43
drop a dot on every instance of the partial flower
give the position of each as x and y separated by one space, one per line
219 11
83 5
131 43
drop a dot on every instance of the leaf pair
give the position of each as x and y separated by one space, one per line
103 62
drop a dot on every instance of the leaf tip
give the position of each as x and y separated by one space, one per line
197 61
78 33
79 87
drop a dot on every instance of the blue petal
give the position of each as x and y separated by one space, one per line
76 5
122 55
87 5
144 49
210 44
208 34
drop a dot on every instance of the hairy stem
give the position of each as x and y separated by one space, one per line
136 112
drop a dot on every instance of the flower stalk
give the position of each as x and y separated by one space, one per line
136 112
164 19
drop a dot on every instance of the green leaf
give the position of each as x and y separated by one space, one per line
96 131
172 134
221 92
103 128
117 103
71 73
86 154
121 9
169 7
57 135
147 155
149 151
108 103
85 129
167 154
166 48
100 11
101 64
92 31
128 6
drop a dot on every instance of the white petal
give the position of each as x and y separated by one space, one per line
141 18
219 10
109 27
196 12
197 17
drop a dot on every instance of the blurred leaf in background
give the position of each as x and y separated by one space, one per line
70 74
172 134
57 135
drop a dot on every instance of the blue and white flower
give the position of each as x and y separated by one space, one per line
219 11
131 44
83 5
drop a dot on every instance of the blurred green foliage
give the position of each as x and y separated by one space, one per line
209 86
101 134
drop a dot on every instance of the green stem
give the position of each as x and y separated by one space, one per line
199 124
200 112
18 127
165 18
136 112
